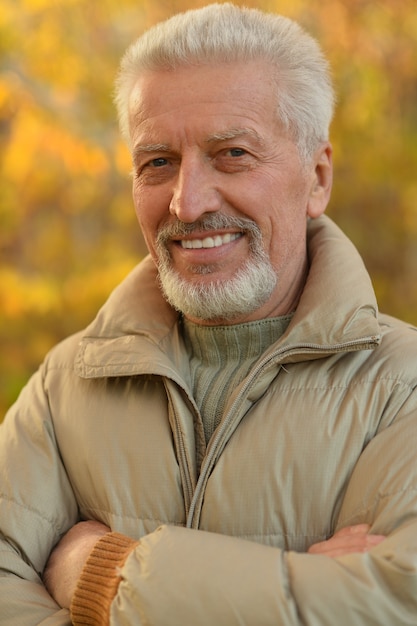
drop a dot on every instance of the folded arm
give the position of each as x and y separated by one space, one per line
106 553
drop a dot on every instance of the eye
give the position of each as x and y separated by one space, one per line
156 171
159 162
234 159
237 152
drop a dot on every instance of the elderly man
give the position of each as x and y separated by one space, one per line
233 439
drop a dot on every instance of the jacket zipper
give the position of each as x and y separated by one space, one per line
185 473
197 498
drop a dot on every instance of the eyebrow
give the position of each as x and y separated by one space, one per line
234 133
148 148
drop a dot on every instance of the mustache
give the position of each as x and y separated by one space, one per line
215 221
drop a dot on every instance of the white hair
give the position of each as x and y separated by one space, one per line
226 33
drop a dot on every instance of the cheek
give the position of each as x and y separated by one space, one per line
286 234
151 213
149 229
142 201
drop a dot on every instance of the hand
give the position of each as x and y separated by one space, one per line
67 560
347 541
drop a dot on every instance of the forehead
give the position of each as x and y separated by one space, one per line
222 98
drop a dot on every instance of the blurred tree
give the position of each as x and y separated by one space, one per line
67 227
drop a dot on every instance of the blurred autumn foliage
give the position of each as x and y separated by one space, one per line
67 228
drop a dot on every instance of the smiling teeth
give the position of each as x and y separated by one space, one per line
210 242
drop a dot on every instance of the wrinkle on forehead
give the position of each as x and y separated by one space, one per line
151 89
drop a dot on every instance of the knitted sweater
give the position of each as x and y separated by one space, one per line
221 357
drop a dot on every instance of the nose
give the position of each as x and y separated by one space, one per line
195 191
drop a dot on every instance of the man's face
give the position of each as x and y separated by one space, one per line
220 193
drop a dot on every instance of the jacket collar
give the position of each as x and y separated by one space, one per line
137 332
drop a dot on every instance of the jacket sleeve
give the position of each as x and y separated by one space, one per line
183 576
37 506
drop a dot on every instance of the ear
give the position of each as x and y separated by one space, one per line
322 181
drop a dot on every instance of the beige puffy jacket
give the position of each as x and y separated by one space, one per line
320 435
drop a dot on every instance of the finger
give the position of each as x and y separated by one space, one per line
346 536
357 529
344 543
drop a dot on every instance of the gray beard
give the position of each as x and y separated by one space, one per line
241 295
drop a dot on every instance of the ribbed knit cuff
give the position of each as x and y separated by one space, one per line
100 579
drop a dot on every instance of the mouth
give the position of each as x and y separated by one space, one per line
209 242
